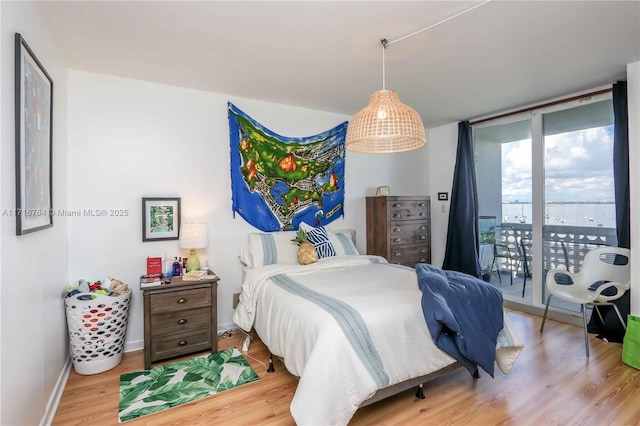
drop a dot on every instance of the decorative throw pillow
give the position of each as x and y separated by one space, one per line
320 240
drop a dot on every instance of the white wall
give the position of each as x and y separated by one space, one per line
130 139
33 266
442 158
633 98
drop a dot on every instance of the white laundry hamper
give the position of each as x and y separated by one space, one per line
97 326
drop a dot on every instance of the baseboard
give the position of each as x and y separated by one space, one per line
137 345
227 326
56 394
554 314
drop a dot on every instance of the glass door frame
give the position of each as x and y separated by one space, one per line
538 184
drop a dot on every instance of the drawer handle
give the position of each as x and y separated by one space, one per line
397 215
396 205
396 240
182 321
421 205
421 214
396 254
182 343
422 228
423 251
396 229
182 300
422 237
423 260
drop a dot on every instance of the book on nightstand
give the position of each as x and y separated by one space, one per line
194 275
151 280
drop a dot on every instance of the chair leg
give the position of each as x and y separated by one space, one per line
615 308
546 309
497 270
524 284
595 307
584 323
619 316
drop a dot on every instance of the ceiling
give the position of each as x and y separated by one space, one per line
327 55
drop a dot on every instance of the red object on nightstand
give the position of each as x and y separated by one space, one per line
154 265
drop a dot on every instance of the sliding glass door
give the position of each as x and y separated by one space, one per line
504 176
545 185
579 200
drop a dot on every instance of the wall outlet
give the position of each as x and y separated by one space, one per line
236 299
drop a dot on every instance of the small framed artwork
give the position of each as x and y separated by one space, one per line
34 140
160 219
443 196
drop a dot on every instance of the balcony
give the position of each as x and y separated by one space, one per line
564 248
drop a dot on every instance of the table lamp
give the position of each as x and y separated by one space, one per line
193 236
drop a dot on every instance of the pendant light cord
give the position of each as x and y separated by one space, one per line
386 43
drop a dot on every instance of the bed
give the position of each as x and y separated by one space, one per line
350 326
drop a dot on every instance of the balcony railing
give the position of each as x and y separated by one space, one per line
565 246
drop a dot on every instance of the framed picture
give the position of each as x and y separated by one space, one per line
160 219
34 141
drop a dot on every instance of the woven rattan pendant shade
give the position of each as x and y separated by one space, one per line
385 125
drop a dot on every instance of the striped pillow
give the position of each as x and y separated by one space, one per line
320 240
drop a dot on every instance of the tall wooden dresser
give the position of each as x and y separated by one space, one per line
399 229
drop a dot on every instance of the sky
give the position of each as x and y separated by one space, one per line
578 167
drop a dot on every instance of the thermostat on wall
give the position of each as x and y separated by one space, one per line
443 196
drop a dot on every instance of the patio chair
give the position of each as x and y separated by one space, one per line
506 248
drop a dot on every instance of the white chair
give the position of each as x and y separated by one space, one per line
606 265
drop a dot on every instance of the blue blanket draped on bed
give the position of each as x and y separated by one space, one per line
464 315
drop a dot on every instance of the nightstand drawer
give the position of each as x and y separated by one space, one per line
183 343
180 300
180 321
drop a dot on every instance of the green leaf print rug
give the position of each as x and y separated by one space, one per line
166 386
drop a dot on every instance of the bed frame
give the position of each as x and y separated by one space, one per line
417 382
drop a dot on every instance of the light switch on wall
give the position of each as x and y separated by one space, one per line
442 208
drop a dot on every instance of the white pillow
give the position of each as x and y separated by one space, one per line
260 249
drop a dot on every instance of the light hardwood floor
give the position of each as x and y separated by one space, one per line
552 383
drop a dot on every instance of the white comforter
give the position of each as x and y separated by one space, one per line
334 379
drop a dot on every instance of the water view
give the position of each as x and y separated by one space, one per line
595 214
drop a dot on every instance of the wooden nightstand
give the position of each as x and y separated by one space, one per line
180 318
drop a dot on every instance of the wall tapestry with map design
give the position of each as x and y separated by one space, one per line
278 182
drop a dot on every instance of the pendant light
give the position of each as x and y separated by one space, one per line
385 125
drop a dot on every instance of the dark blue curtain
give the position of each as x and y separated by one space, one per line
621 163
461 253
611 329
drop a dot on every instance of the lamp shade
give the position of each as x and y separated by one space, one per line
385 125
193 235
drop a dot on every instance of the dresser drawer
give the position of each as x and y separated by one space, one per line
178 344
179 321
408 209
410 254
180 300
408 232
